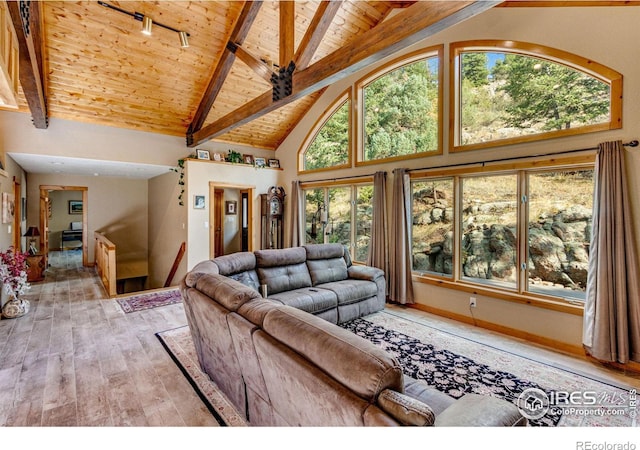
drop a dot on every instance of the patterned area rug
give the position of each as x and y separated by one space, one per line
179 345
149 300
452 364
456 365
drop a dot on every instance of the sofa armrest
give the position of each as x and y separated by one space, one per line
406 410
365 273
474 410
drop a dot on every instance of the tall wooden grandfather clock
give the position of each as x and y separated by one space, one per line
272 222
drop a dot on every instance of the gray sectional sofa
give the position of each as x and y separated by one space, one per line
319 279
285 366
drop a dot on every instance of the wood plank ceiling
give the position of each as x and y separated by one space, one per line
99 67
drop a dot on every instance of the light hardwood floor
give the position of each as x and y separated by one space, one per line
76 359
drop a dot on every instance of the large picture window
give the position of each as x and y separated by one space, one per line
340 214
328 144
401 109
509 92
523 231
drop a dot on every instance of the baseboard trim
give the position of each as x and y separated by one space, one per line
552 344
530 337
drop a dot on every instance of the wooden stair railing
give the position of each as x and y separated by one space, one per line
106 263
176 263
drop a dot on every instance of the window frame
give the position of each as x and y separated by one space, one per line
353 184
520 294
338 102
576 62
360 85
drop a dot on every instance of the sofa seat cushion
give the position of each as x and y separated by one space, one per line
351 291
311 300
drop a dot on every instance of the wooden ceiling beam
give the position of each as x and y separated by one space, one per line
27 20
237 37
318 27
287 31
254 63
419 21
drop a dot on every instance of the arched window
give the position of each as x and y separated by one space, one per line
400 104
328 144
507 92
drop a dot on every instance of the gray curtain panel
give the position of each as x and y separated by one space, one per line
612 308
400 285
296 231
377 256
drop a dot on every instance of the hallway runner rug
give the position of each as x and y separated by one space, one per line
450 363
149 300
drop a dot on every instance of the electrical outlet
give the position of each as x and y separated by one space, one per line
472 302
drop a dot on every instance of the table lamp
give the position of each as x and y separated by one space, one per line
32 233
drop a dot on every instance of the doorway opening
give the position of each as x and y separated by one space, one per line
231 213
63 219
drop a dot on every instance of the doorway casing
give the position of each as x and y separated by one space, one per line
44 219
243 188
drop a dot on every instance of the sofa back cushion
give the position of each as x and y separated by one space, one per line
326 263
240 267
353 361
283 269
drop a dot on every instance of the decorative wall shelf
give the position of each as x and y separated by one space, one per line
248 166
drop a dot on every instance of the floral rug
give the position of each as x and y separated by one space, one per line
149 300
454 365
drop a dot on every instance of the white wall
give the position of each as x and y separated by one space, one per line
199 176
612 42
167 229
116 206
60 217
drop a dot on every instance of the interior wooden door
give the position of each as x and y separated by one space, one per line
218 203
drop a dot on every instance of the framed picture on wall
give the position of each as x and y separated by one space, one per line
198 201
274 163
260 162
8 207
75 206
231 207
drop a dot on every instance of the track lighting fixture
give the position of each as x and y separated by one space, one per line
147 23
184 40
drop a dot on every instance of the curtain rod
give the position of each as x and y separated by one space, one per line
339 178
633 143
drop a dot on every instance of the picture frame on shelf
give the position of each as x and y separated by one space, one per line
218 157
231 207
198 202
259 162
203 154
75 206
247 159
274 163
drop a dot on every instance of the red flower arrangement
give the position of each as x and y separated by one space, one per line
13 271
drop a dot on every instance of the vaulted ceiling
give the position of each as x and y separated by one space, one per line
96 66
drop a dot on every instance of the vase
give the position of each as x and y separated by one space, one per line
15 307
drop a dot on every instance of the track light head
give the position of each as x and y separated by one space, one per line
147 23
184 40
